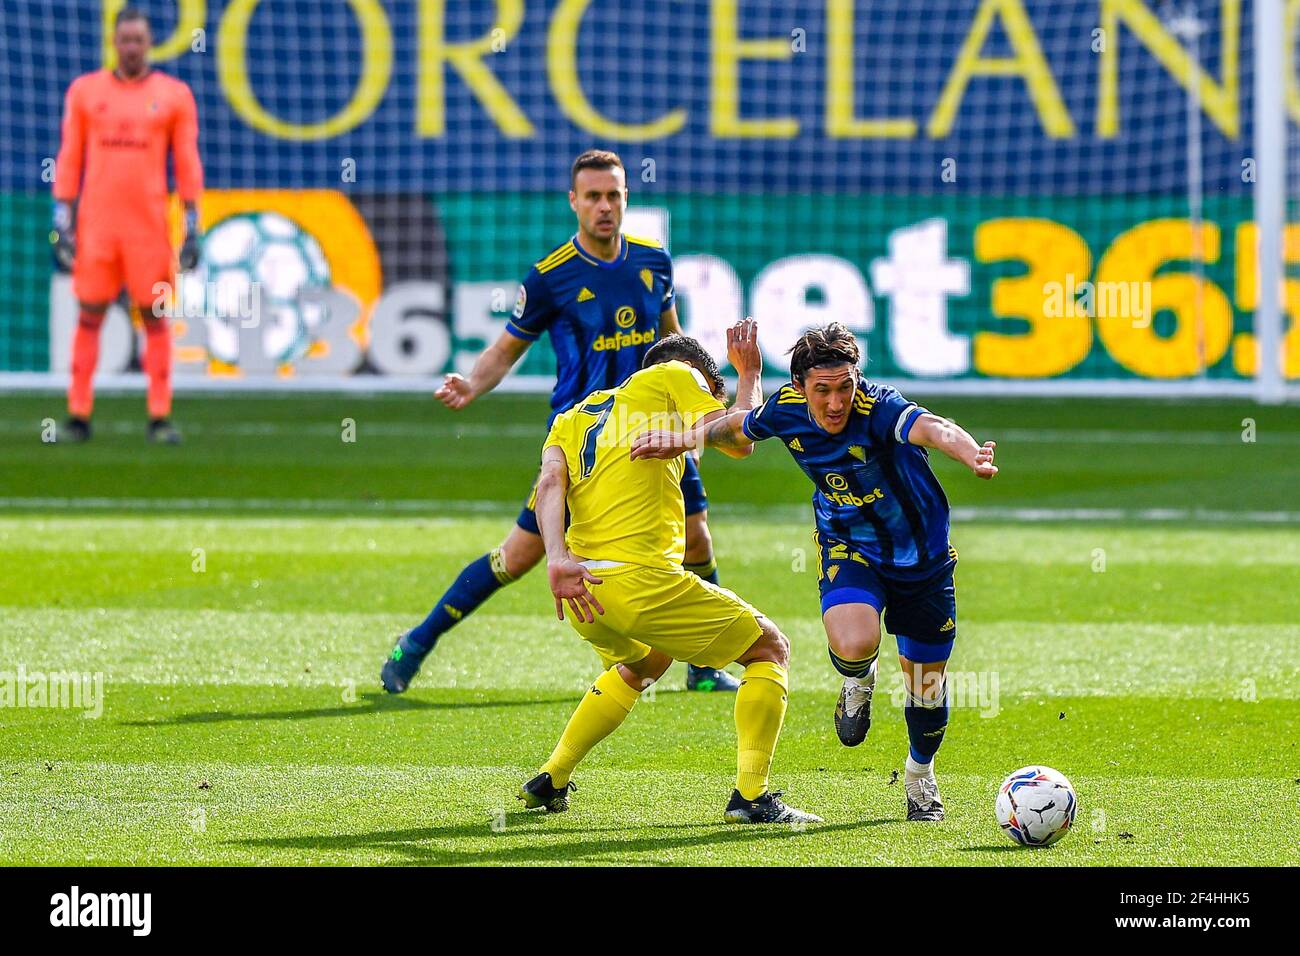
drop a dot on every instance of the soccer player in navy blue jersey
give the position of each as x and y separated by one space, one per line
882 530
604 298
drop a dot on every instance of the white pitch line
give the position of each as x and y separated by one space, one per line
258 504
434 505
245 429
536 429
1192 515
1114 436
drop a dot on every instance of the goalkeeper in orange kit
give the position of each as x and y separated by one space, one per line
110 211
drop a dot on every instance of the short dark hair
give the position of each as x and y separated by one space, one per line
594 159
831 344
127 14
683 348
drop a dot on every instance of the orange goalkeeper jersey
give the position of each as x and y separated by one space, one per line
116 134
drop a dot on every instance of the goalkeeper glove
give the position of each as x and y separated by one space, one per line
189 257
63 244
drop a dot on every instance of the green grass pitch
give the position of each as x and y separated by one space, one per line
239 593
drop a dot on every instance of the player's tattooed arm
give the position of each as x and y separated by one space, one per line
931 431
727 435
568 578
721 430
490 368
725 432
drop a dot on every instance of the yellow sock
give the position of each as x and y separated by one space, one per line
599 713
760 710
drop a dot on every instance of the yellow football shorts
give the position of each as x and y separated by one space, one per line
675 612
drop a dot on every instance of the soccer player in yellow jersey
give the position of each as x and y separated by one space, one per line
619 568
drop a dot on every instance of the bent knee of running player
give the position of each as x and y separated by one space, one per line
771 645
852 599
519 552
641 674
852 630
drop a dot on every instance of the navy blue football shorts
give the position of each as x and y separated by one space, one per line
920 612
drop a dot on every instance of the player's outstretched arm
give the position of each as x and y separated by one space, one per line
931 431
567 577
721 430
490 368
727 434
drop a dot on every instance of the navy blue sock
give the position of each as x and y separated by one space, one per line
852 668
926 726
474 585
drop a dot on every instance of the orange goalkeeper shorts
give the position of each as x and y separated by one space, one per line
108 259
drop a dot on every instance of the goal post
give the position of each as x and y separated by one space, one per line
1270 195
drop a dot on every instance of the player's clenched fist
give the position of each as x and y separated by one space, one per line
742 347
984 467
455 391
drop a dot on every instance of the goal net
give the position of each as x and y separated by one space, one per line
1045 196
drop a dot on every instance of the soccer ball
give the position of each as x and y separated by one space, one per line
1036 806
278 255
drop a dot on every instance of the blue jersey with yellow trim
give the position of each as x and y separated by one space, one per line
602 316
874 490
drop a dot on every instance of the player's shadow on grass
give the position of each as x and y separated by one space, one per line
413 844
366 703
